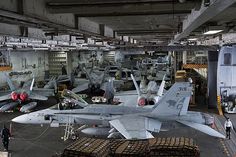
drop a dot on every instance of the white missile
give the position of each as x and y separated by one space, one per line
3 103
28 107
96 131
8 106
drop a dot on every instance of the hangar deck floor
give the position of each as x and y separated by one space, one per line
37 141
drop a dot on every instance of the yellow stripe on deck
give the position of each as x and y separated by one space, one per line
219 106
5 68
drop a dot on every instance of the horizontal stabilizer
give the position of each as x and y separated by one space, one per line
5 97
80 88
203 128
35 96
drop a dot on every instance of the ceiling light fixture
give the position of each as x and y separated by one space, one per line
212 30
192 39
182 1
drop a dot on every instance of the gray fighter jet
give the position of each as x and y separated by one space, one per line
54 81
130 121
26 92
96 80
148 95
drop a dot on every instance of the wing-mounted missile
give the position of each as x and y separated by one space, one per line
96 131
28 107
8 106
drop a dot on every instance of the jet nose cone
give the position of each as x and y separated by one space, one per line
20 119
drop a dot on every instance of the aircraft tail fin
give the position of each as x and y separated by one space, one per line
175 101
32 84
161 88
87 74
10 83
136 85
109 89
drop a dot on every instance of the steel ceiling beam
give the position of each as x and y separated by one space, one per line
119 8
110 2
146 32
196 19
35 22
169 48
102 2
133 13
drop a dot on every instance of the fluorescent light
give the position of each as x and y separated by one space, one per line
192 39
40 48
212 32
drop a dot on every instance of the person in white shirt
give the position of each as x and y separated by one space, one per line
228 127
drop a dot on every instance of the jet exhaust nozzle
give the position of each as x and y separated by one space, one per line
14 96
23 96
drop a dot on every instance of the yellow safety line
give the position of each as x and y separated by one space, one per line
224 147
219 106
194 66
5 68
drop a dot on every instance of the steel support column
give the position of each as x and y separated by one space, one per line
212 79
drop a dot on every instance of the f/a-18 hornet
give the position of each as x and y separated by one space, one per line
131 121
